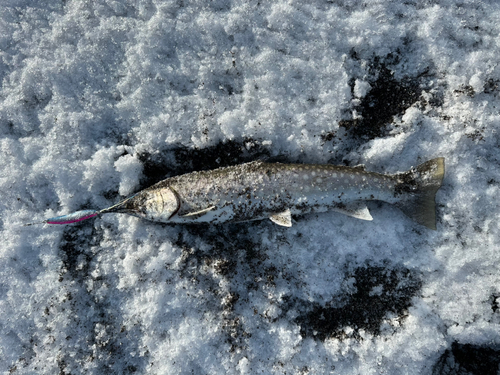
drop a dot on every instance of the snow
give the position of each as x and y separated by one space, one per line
101 99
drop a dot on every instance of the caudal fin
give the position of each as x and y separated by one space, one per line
418 188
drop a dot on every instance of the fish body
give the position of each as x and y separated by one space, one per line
260 190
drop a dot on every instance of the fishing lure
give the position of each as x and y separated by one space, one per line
73 218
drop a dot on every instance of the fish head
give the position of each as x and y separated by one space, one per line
156 204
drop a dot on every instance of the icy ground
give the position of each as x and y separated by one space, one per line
102 98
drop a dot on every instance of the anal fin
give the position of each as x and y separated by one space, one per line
357 210
282 218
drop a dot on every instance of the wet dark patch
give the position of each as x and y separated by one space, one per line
465 90
159 166
468 359
74 242
495 302
491 86
74 247
387 98
392 93
110 194
102 337
328 137
476 135
232 251
38 100
228 82
219 5
222 154
379 292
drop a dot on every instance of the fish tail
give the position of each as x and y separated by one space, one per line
417 188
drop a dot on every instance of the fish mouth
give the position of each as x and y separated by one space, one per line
128 206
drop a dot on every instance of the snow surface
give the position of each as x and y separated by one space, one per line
102 98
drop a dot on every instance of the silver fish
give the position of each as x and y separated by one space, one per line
260 190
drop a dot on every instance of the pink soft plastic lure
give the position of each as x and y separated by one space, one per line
73 217
77 216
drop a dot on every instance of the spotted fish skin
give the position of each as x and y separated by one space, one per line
260 190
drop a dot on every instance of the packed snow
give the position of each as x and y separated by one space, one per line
100 99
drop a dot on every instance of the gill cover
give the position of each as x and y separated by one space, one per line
162 203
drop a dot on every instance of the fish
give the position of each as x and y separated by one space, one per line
277 191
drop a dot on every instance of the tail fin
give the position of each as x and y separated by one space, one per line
418 188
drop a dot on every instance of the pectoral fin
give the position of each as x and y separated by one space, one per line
198 213
282 218
354 209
